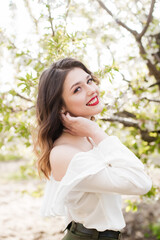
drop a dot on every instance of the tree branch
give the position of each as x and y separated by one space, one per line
145 134
149 19
31 14
150 100
119 22
19 95
154 84
152 68
67 11
133 32
50 19
125 114
21 110
156 57
126 123
124 79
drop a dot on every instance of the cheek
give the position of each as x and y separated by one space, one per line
76 101
76 105
97 88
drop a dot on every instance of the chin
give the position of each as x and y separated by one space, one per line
92 111
98 110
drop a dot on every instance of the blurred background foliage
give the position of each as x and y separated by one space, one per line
118 40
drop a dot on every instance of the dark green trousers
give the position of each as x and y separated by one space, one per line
79 236
76 236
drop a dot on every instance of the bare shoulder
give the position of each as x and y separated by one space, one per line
60 157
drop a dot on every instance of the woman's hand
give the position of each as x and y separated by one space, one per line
83 127
79 126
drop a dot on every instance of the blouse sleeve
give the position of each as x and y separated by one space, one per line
123 172
108 167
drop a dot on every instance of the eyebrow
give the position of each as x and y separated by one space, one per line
77 83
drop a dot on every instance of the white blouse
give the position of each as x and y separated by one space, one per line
89 193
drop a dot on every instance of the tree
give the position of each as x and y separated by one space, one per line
133 112
149 49
148 44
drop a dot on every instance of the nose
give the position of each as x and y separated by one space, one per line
91 89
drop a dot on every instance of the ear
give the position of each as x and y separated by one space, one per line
63 110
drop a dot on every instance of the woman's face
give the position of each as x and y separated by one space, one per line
81 94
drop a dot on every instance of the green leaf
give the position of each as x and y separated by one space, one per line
1 127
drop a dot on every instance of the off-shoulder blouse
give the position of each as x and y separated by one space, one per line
90 192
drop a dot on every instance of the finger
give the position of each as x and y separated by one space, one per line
63 115
63 118
66 123
69 117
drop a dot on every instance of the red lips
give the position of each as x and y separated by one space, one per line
95 101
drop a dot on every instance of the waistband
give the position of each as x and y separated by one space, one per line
78 227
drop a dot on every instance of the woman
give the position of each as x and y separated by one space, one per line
87 170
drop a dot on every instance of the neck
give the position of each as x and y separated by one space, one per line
68 135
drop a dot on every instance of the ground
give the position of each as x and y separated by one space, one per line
20 218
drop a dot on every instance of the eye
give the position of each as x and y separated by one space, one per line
90 80
77 89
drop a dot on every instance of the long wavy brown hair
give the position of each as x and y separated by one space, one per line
48 106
